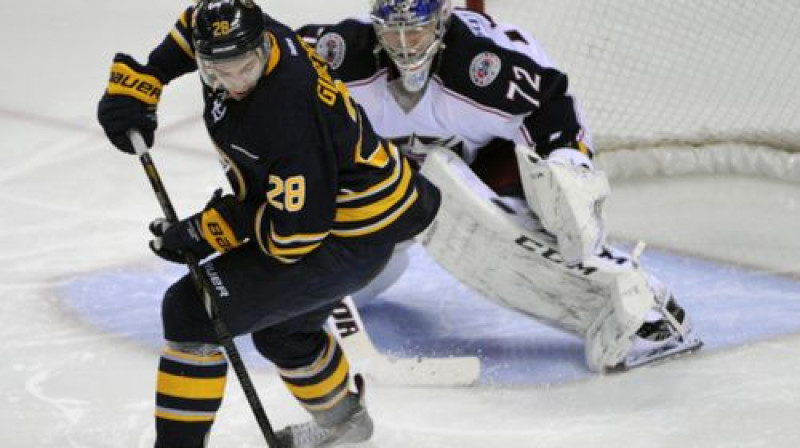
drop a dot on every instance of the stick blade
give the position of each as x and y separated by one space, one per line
384 369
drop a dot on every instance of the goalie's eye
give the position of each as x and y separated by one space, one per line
407 39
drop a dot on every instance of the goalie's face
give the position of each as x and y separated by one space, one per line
238 75
411 33
409 46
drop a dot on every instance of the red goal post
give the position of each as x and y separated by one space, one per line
475 5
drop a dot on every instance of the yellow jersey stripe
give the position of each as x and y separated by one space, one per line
192 388
376 208
284 260
347 197
182 42
292 251
297 237
379 158
259 218
274 240
269 248
348 233
183 19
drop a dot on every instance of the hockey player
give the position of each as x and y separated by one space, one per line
319 203
458 91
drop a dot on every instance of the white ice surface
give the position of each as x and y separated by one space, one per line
71 206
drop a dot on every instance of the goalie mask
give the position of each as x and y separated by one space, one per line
411 31
230 46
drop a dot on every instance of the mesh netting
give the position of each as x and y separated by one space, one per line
674 72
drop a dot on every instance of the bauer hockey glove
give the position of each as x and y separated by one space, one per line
220 227
130 102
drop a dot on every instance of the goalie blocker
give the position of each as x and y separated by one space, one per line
499 249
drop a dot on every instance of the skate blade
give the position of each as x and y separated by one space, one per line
659 355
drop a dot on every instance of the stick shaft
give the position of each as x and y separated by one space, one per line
205 290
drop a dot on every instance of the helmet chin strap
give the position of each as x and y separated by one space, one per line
409 88
415 80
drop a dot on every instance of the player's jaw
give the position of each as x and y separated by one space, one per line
240 75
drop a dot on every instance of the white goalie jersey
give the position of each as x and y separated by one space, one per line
489 81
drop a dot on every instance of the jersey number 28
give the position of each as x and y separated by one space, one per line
289 194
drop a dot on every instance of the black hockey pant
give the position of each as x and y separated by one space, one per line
283 306
270 299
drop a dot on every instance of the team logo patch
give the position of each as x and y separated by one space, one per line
218 109
331 46
484 68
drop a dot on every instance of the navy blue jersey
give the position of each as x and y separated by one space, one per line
300 154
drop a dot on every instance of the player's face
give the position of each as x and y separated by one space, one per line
407 42
239 75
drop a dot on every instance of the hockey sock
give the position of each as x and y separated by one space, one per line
189 392
321 387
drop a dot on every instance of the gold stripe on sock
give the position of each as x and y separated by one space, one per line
323 388
192 388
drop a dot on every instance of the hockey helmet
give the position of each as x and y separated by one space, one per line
230 44
411 32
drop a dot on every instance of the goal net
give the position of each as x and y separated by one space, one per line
677 86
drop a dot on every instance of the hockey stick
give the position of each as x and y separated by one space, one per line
209 299
346 324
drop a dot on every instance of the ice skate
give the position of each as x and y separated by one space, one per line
660 329
666 334
346 423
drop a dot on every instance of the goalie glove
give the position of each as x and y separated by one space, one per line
218 228
571 157
130 102
567 194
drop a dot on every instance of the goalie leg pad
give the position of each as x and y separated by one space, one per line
610 337
497 248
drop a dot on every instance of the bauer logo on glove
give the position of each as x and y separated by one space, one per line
125 81
130 101
220 227
218 232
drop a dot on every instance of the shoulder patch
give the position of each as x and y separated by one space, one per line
332 48
484 68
